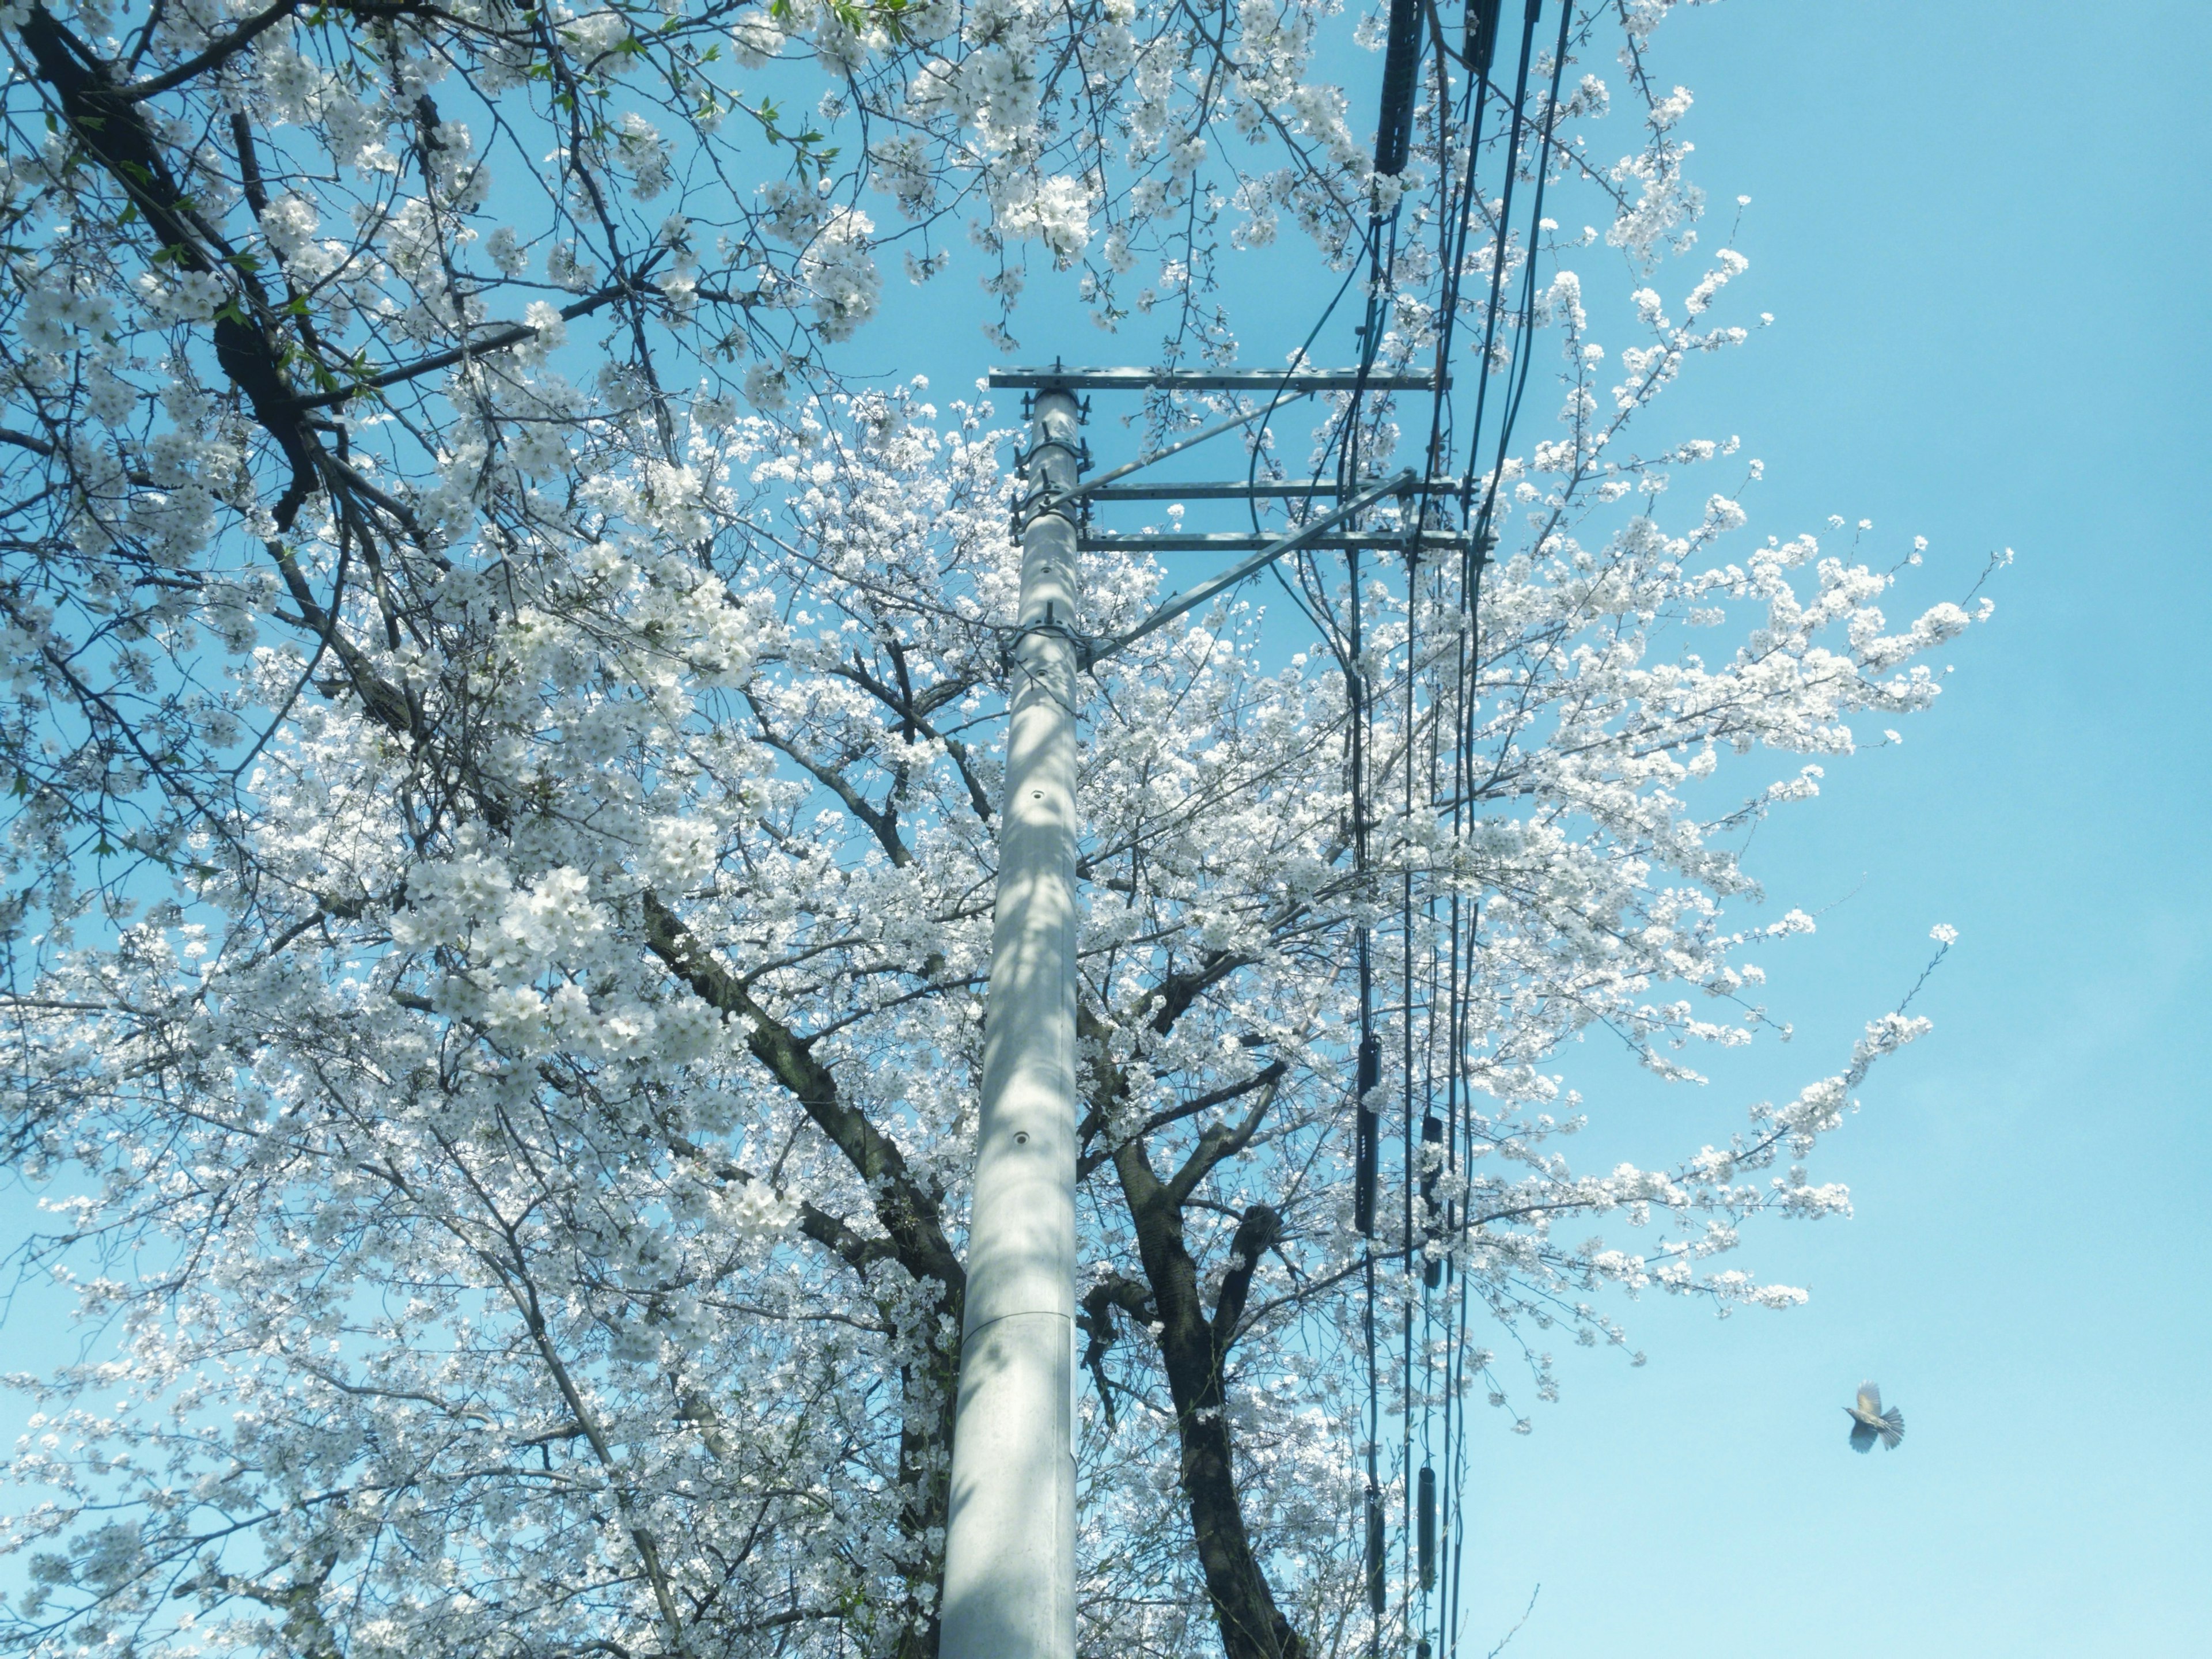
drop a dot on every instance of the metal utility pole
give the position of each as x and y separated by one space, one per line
1010 1540
1010 1535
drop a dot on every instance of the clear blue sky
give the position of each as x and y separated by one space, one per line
1982 230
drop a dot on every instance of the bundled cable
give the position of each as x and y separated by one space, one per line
1433 1546
1377 1559
1368 1146
1479 516
1426 1532
1401 61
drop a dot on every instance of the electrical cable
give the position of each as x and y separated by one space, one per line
1425 1512
1453 231
1459 1084
1482 20
1391 144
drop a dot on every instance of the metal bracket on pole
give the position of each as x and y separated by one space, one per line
1081 643
1082 492
1300 381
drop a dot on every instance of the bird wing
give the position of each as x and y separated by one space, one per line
1862 1437
1870 1399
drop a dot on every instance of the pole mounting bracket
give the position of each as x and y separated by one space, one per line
1085 645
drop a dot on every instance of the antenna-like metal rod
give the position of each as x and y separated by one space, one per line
1065 378
1240 489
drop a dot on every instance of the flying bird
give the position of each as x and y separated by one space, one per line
1870 1423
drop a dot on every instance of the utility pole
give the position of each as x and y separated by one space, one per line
1010 1534
1010 1540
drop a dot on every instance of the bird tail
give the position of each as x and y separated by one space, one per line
1892 1428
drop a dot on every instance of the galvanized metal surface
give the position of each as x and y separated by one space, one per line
1241 541
1210 379
1238 489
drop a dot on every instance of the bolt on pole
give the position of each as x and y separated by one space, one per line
1009 1538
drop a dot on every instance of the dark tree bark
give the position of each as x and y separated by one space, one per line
114 133
1195 1349
1195 1346
907 1212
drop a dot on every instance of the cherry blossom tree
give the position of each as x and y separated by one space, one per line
321 259
502 858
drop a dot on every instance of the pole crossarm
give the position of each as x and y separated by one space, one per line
1298 380
1104 481
1241 541
1235 489
1104 486
1403 483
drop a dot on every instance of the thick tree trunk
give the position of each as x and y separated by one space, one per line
926 1471
1195 1349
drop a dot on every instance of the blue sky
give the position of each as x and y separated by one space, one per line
1982 230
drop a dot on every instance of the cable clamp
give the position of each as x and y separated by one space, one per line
1083 644
1078 452
1044 502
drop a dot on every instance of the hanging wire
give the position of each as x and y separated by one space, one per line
1454 223
1435 1534
1463 928
1393 130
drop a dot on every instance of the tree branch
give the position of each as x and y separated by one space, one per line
1260 1230
1095 1320
114 133
1094 1122
907 1212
